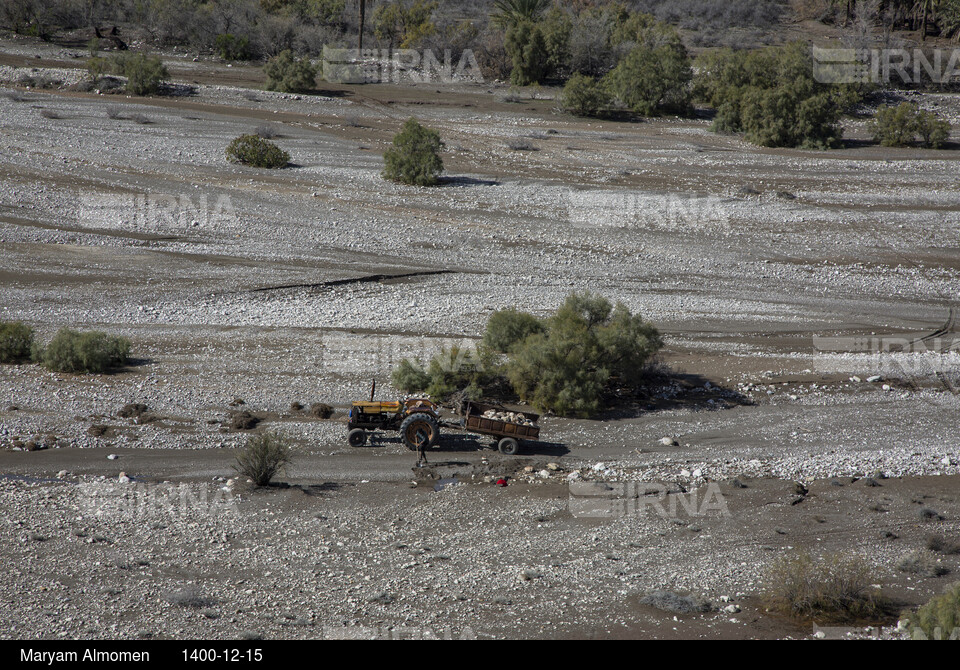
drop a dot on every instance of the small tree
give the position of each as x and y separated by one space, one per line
507 327
652 78
255 151
414 158
584 96
567 366
144 74
934 131
263 457
527 48
16 341
895 126
233 47
899 126
289 74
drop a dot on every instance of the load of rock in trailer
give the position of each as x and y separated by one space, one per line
509 417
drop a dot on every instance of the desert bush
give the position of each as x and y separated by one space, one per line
321 410
75 352
142 119
770 96
507 327
414 158
144 73
405 25
267 132
520 144
921 563
933 131
410 377
16 341
50 114
584 96
943 545
263 458
114 112
256 152
233 47
901 125
289 74
454 370
939 619
836 588
584 346
190 598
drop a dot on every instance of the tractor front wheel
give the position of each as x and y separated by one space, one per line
419 430
357 437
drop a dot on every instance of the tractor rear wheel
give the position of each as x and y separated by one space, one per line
419 430
509 446
357 437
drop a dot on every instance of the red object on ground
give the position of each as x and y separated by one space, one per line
501 482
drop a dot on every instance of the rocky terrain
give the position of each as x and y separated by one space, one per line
766 270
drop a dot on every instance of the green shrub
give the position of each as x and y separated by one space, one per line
410 377
232 47
263 457
289 74
453 370
527 48
584 96
507 327
650 79
771 96
833 589
563 364
934 131
144 73
255 151
16 341
75 352
414 158
789 116
895 126
899 126
585 346
939 619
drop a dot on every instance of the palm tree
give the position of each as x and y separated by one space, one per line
927 10
510 12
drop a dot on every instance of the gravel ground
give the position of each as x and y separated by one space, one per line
122 214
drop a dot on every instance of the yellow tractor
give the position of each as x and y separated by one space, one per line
417 419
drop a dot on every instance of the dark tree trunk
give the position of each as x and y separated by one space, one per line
363 16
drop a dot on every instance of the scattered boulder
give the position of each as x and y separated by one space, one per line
668 601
